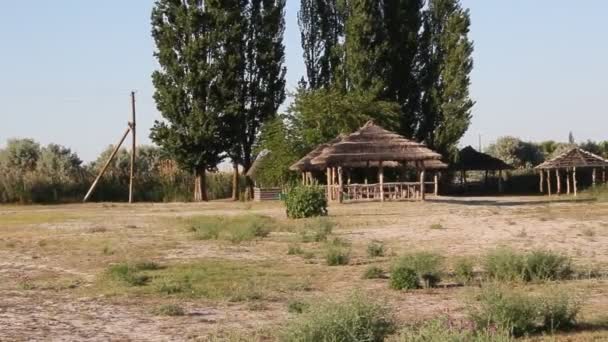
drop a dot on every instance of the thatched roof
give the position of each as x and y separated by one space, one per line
575 157
470 159
256 163
305 164
373 143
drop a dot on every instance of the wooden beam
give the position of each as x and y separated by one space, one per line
328 174
568 187
436 180
500 182
422 176
340 184
381 179
594 177
132 124
105 167
574 182
549 182
542 181
559 181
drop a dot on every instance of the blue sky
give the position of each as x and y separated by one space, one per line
67 68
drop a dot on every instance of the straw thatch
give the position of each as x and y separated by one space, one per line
374 144
305 165
470 159
575 157
257 162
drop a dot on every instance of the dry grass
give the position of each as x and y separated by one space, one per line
55 261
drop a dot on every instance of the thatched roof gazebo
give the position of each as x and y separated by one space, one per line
569 162
470 159
371 145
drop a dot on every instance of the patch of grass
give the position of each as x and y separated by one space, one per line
442 330
317 230
97 229
426 266
107 251
336 255
375 249
464 270
357 318
403 278
296 306
295 250
505 264
521 312
373 272
129 274
437 226
169 310
234 229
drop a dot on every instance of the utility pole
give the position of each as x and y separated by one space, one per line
132 125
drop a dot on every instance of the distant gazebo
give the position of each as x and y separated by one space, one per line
370 146
470 159
568 163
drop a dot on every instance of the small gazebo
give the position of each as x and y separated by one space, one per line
371 146
568 163
470 159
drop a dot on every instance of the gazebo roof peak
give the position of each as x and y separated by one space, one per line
574 157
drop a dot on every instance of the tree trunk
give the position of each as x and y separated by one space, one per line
235 181
200 185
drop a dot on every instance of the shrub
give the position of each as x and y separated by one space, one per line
317 230
442 330
373 272
464 270
521 312
403 278
296 306
306 201
336 255
354 319
504 264
545 265
375 249
427 267
235 229
169 310
129 274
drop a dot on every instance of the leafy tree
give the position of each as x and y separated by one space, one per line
571 140
321 25
446 57
20 154
188 94
515 152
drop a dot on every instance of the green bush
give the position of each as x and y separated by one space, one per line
336 255
373 272
235 229
375 249
443 331
521 312
427 267
464 270
507 265
354 319
403 278
317 230
306 201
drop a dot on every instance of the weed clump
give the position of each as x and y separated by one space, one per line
317 230
356 318
443 330
169 310
130 274
373 272
424 267
234 229
336 255
507 265
375 249
464 270
296 306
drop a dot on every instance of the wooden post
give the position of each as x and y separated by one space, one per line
500 181
381 180
340 184
105 167
568 191
422 176
132 124
542 181
436 180
604 175
549 182
574 183
594 177
559 182
328 174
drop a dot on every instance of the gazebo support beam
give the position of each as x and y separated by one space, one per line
340 184
559 181
422 174
594 177
500 188
568 187
549 182
381 180
329 184
574 181
436 180
542 181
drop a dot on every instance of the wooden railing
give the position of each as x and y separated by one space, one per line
372 192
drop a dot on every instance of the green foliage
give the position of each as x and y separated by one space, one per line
464 270
444 331
505 264
515 152
306 201
403 278
336 255
169 310
521 312
295 250
296 306
317 230
426 266
130 274
375 249
373 272
234 229
354 319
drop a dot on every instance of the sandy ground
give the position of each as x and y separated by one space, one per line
51 258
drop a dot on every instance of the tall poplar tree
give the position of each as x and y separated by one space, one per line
187 40
446 57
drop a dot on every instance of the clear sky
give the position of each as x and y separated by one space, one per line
67 68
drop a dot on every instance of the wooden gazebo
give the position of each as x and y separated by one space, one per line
568 163
470 159
371 146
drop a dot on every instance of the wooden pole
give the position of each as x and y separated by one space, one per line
340 184
500 181
604 175
381 180
328 173
436 180
574 183
559 181
132 124
105 167
549 182
542 181
422 174
594 177
568 188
